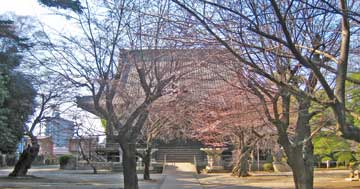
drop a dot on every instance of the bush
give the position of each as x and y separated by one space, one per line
63 160
268 167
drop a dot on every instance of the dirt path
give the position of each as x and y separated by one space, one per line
52 177
323 180
180 176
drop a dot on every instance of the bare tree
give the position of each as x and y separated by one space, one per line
86 138
50 94
120 84
166 122
287 53
232 116
149 133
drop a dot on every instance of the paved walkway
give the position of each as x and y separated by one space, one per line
180 176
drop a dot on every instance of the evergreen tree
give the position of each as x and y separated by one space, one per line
16 92
73 5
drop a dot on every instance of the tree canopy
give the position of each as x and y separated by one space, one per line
325 147
16 91
73 5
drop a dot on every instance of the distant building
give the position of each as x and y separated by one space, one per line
22 145
46 145
61 131
45 142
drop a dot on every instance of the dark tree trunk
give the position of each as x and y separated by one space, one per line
146 161
303 177
301 162
300 153
241 168
302 168
88 161
129 165
94 168
26 158
128 146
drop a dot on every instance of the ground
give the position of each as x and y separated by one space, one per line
324 179
52 177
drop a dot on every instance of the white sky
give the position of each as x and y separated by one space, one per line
44 14
34 9
22 7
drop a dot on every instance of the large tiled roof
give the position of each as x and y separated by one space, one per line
194 65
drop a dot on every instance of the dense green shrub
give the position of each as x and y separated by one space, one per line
268 167
63 160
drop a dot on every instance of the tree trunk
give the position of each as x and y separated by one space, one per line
27 157
88 161
303 171
146 161
299 151
129 165
242 166
94 168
